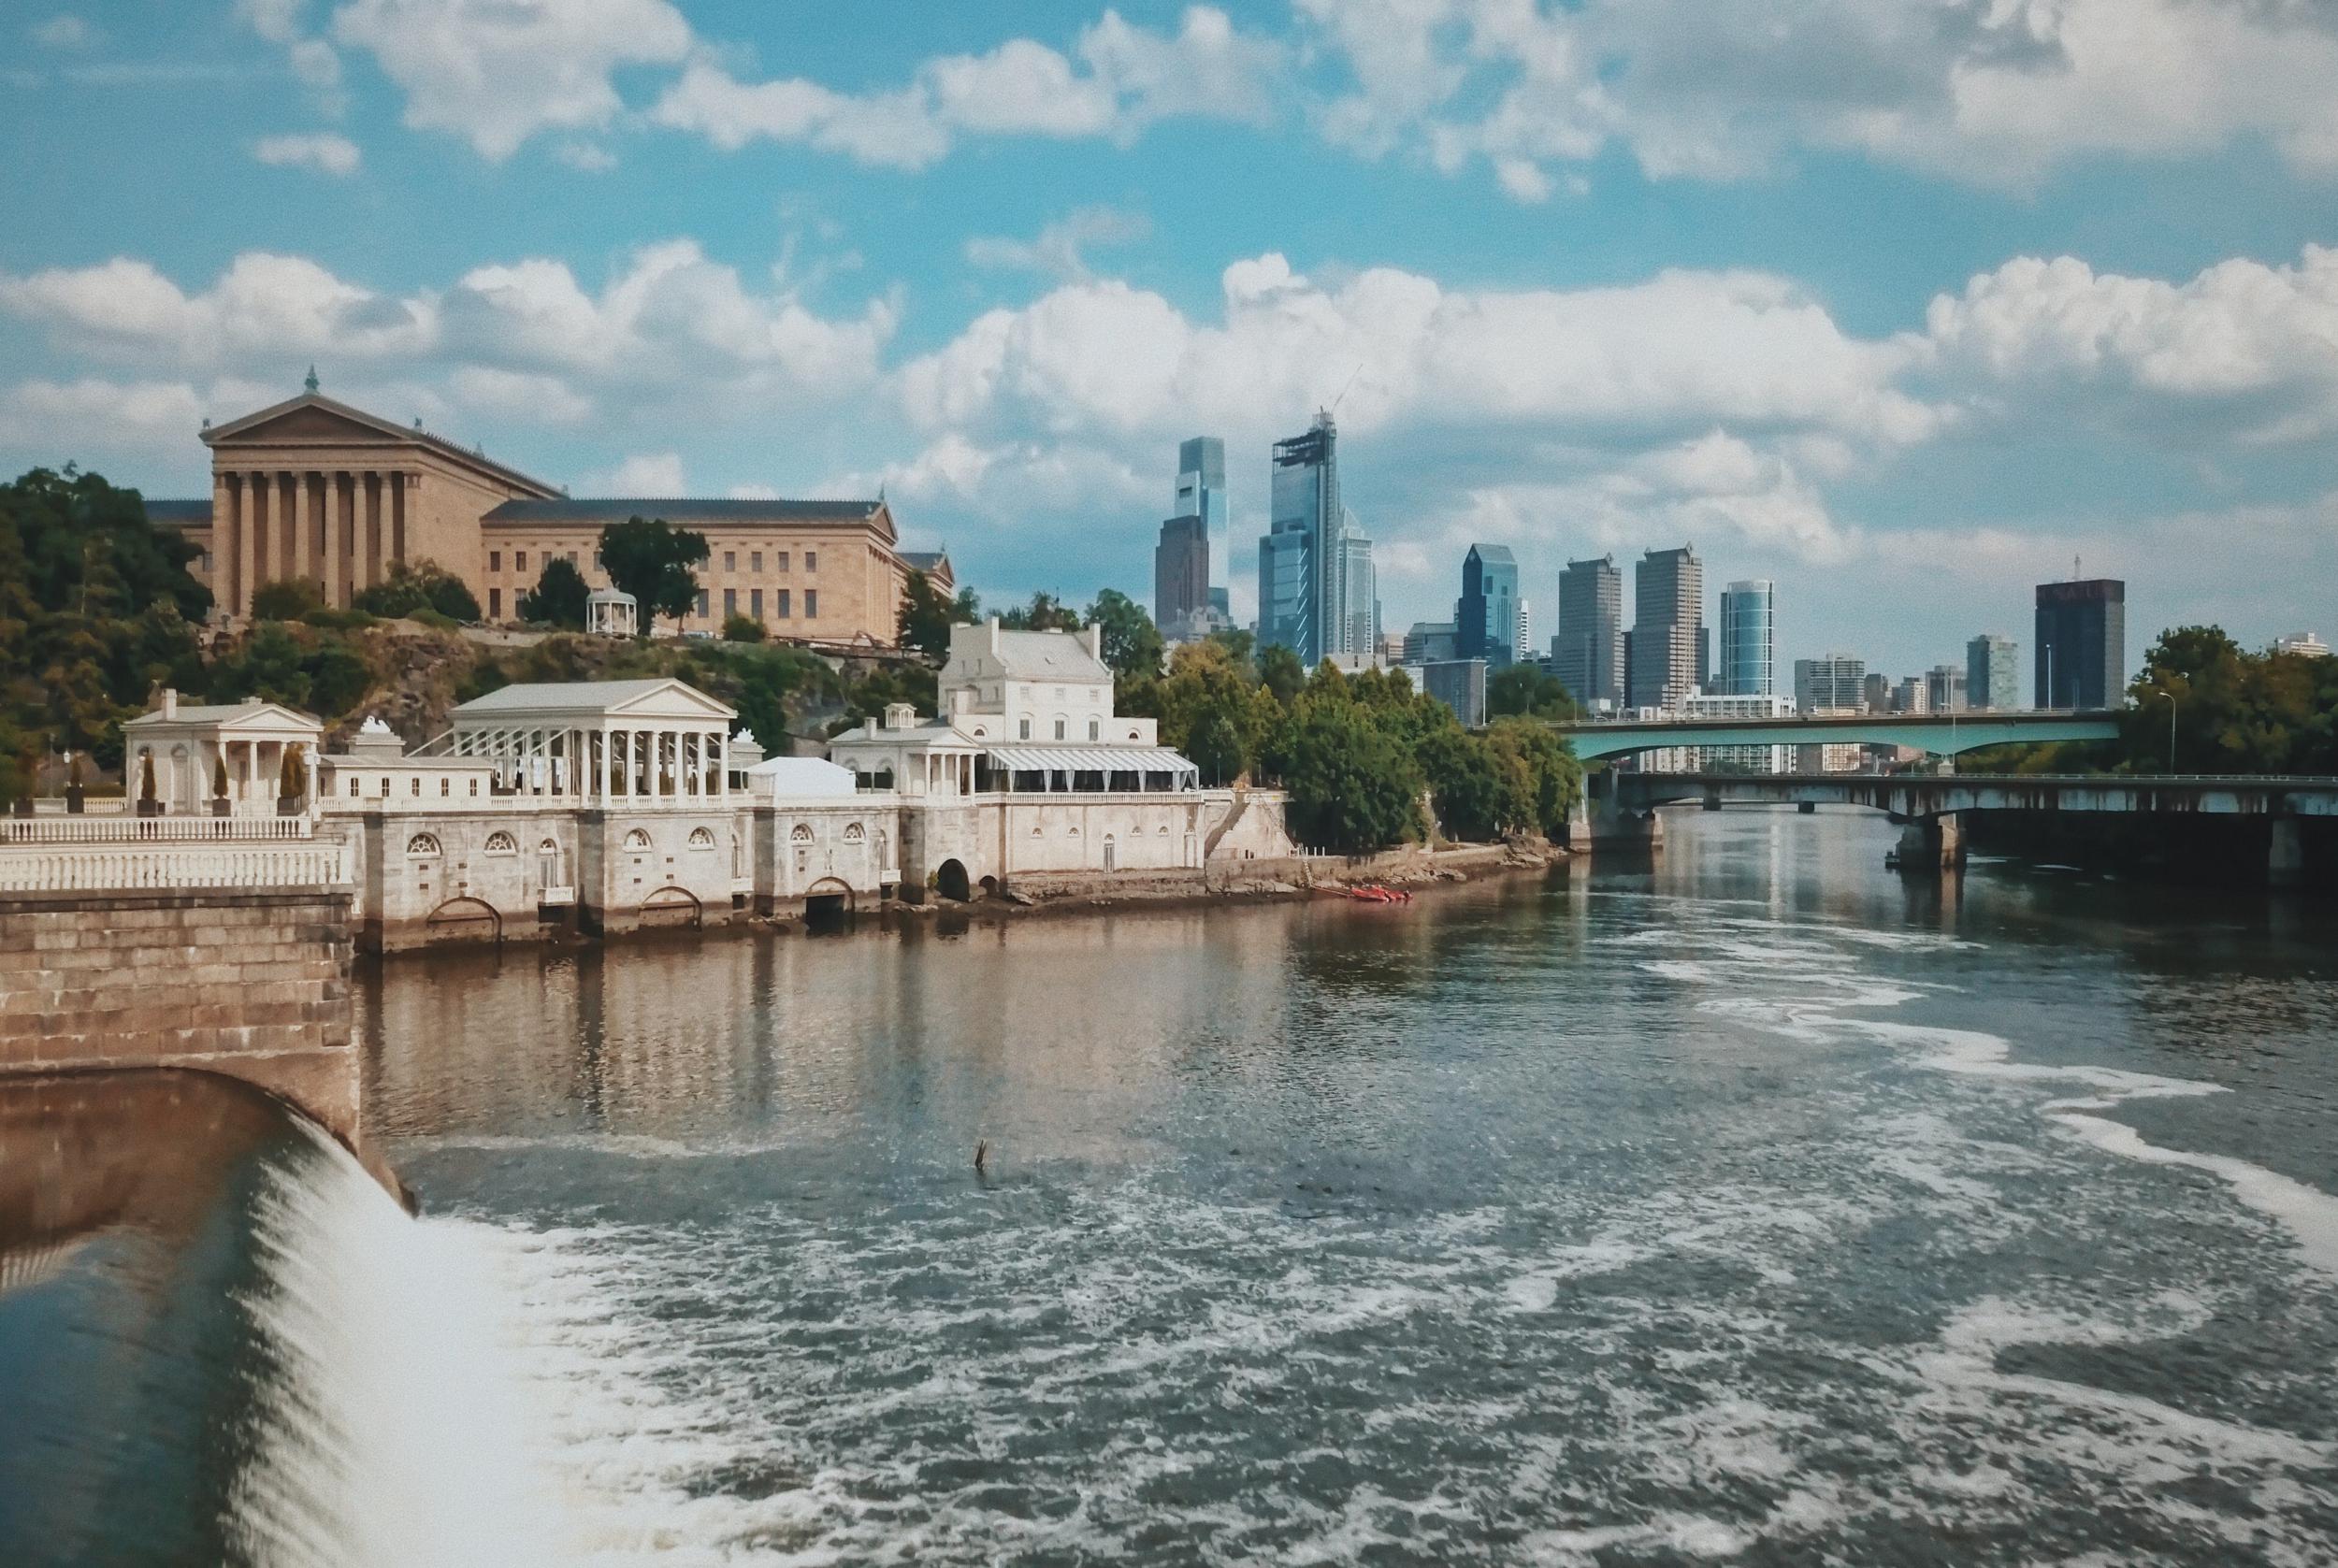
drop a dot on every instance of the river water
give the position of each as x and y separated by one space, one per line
1745 1206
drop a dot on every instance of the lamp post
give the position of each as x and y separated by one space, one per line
2170 697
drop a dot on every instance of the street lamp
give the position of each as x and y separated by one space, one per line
2170 697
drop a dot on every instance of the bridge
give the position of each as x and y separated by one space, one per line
1939 734
1929 803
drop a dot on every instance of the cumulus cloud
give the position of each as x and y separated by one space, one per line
323 152
1985 90
1119 78
649 474
1059 248
265 307
313 62
496 72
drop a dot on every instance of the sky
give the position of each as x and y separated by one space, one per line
1906 305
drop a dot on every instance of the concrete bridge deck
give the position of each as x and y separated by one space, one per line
1939 734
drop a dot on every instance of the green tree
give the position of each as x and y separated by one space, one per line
337 679
424 585
285 599
1046 612
926 616
653 560
1131 645
1352 788
742 628
559 599
1554 777
1528 689
1280 672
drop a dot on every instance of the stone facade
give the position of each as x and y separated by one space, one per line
250 983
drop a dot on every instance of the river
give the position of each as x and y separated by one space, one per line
1748 1204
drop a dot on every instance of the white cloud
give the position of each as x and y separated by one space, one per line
323 152
515 397
1994 92
590 157
1119 80
264 308
63 31
313 63
1059 249
654 474
496 72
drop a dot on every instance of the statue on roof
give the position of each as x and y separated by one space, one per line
311 382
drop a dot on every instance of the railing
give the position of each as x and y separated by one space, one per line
152 829
126 868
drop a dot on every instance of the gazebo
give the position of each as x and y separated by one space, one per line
612 613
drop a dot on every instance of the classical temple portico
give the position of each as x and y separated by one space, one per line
599 743
187 742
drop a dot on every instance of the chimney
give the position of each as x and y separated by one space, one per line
1093 635
992 626
171 702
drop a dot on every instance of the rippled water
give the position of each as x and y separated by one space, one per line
1749 1206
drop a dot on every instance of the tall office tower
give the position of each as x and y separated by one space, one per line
1181 578
1993 673
1667 614
1832 683
1429 642
2082 643
1522 645
1875 692
1587 653
1201 493
1358 625
1749 663
1487 617
1945 689
1300 565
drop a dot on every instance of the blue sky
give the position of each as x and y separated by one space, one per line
1902 303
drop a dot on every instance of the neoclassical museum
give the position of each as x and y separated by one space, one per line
314 490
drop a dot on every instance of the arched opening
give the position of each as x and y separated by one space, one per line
670 907
828 904
1112 853
989 887
464 919
949 879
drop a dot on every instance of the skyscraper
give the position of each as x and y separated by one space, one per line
1667 614
1181 577
1587 653
1487 621
1993 673
1359 623
1832 683
1305 569
1522 644
2082 643
1201 493
1945 689
1749 664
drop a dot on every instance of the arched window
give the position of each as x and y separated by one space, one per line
548 847
853 834
637 839
422 844
1034 830
500 842
801 834
702 839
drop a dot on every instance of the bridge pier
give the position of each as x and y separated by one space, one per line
1807 807
1597 819
1931 843
2285 862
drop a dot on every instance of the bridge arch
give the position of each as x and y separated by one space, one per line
1939 734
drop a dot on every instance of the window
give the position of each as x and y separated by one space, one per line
474 788
731 602
701 604
520 560
754 562
1095 730
571 558
731 560
495 560
1025 735
417 789
801 833
385 786
637 841
494 604
422 843
702 839
812 604
499 843
353 786
446 788
1059 729
754 602
811 563
783 560
853 833
781 597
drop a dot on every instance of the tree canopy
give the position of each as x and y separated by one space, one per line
559 599
2228 710
652 560
926 616
1046 612
1132 644
412 589
1529 690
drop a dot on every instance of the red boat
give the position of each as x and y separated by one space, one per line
1373 893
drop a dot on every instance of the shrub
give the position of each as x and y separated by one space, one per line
287 600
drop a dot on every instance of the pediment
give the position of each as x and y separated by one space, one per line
310 423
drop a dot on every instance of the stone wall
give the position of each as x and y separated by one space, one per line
250 983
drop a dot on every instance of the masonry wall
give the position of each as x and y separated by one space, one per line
254 984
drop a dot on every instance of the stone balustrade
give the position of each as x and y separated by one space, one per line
153 829
100 866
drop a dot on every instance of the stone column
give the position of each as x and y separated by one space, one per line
408 517
233 550
303 555
222 541
334 598
2285 861
256 512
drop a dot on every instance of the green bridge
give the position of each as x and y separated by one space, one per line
1940 734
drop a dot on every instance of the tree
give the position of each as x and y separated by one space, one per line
1280 671
1132 645
742 628
146 776
292 780
652 560
1352 788
286 599
218 775
559 599
1528 689
1554 778
410 589
927 617
1046 612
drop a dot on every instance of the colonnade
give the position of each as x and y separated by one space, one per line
340 528
608 763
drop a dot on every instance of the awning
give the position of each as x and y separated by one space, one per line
1088 759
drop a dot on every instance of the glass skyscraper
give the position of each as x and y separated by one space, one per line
2082 643
1201 493
1487 623
1749 639
1667 622
1315 588
1587 653
1993 673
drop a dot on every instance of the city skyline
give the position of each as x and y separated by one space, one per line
1567 287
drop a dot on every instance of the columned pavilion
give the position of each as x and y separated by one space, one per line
599 743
